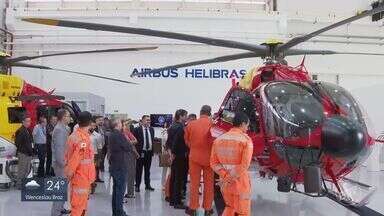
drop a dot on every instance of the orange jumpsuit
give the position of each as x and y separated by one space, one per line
79 169
230 159
199 140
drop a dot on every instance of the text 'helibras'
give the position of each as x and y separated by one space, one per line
192 73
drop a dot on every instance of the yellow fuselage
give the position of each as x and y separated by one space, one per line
10 88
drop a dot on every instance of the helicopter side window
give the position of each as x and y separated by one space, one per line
16 114
241 101
46 111
267 76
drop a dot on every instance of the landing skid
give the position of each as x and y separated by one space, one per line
354 196
359 207
360 210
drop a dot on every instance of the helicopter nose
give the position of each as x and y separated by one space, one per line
342 137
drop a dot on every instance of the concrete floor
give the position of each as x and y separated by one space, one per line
266 201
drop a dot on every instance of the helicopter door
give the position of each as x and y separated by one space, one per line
74 113
240 100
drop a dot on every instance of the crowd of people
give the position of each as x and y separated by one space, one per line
78 154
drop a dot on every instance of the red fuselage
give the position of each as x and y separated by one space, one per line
37 107
296 122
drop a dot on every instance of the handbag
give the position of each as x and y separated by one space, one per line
156 146
164 159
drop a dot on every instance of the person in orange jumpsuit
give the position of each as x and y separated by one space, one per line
230 159
199 140
79 168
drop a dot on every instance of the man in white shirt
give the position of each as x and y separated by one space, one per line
40 139
97 144
145 135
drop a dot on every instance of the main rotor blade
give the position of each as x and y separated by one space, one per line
149 32
23 58
20 64
205 61
39 97
297 40
293 52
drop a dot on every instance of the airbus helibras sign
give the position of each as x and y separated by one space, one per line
193 73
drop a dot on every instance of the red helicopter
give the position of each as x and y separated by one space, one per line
303 131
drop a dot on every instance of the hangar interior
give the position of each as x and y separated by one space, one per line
251 21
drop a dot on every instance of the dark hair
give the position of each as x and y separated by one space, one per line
206 110
41 119
97 117
25 117
239 119
61 113
94 118
179 113
192 115
84 119
144 116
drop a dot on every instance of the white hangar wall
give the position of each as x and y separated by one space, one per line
249 23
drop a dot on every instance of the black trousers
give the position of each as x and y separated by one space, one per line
186 174
41 154
119 186
48 165
144 163
218 197
103 154
177 181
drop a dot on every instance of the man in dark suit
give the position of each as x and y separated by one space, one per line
23 141
50 126
145 135
120 150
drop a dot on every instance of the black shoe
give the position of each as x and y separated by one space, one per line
167 199
208 212
180 206
171 203
150 188
137 189
93 187
190 212
65 212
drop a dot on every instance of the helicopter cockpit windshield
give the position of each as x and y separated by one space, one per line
316 114
346 104
291 109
